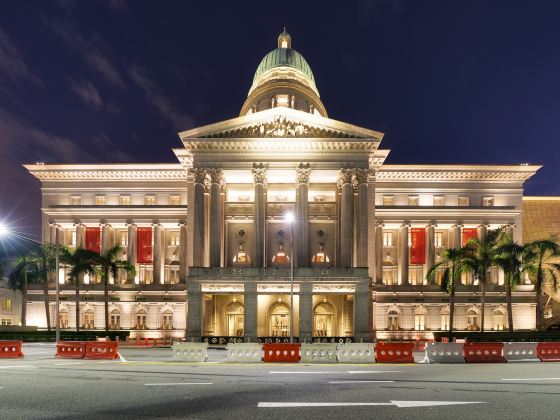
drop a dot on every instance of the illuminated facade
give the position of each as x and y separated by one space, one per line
212 247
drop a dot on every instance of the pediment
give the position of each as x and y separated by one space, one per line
280 123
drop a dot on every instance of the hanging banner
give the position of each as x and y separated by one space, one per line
144 245
417 246
468 234
93 239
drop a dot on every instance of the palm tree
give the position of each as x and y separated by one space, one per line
45 265
539 262
20 278
508 258
82 261
110 264
451 268
479 255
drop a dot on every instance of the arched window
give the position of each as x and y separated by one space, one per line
323 320
499 320
472 320
115 319
281 257
241 257
173 274
63 318
420 318
167 319
89 319
320 257
279 320
235 319
140 320
393 320
389 272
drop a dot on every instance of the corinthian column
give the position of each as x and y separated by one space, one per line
379 253
455 237
183 255
217 187
361 184
131 250
80 236
201 182
430 247
106 242
259 209
302 215
344 184
157 264
403 254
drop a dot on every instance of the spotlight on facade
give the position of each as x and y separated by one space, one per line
289 217
4 231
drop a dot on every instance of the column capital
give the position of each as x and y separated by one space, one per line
431 225
405 225
200 176
360 176
379 224
131 224
457 226
344 177
303 171
259 173
217 177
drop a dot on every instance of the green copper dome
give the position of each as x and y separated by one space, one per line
287 57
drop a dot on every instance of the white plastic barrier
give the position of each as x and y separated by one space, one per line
521 352
445 353
318 353
190 352
356 353
244 352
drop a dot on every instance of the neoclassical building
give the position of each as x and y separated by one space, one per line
213 244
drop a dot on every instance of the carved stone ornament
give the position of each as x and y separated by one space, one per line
303 172
217 177
344 177
280 127
200 176
360 177
259 173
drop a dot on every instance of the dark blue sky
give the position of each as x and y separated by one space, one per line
114 81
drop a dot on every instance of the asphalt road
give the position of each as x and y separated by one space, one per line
150 384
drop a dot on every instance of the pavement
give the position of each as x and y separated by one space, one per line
146 382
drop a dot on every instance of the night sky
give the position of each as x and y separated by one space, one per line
114 81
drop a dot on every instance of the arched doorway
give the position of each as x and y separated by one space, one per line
89 319
323 320
472 320
235 317
499 320
167 319
279 320
115 319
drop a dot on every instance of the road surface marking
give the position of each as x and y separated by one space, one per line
68 363
358 382
400 404
353 372
532 379
16 366
301 372
179 383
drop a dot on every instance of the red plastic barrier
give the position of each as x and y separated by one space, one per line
71 349
281 352
548 352
11 349
484 352
102 350
394 352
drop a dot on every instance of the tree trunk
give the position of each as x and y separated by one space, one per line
482 303
24 299
77 308
451 313
539 302
509 307
47 309
106 296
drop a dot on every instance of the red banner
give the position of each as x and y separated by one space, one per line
417 246
468 234
144 245
93 239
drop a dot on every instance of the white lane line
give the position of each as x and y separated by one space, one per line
400 404
359 382
179 383
68 364
353 372
532 379
17 366
302 372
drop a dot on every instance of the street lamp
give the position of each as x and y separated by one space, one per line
4 231
290 219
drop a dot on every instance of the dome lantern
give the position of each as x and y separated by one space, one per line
284 39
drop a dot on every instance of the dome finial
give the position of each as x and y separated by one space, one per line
284 40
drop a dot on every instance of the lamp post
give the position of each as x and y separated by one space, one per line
57 285
290 219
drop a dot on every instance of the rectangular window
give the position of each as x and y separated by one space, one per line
100 200
124 200
7 304
387 238
487 201
73 238
388 200
438 239
174 200
412 200
415 275
174 238
124 238
444 322
150 200
438 201
6 321
75 200
419 322
463 201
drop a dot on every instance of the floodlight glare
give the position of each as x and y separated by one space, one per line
289 217
4 230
